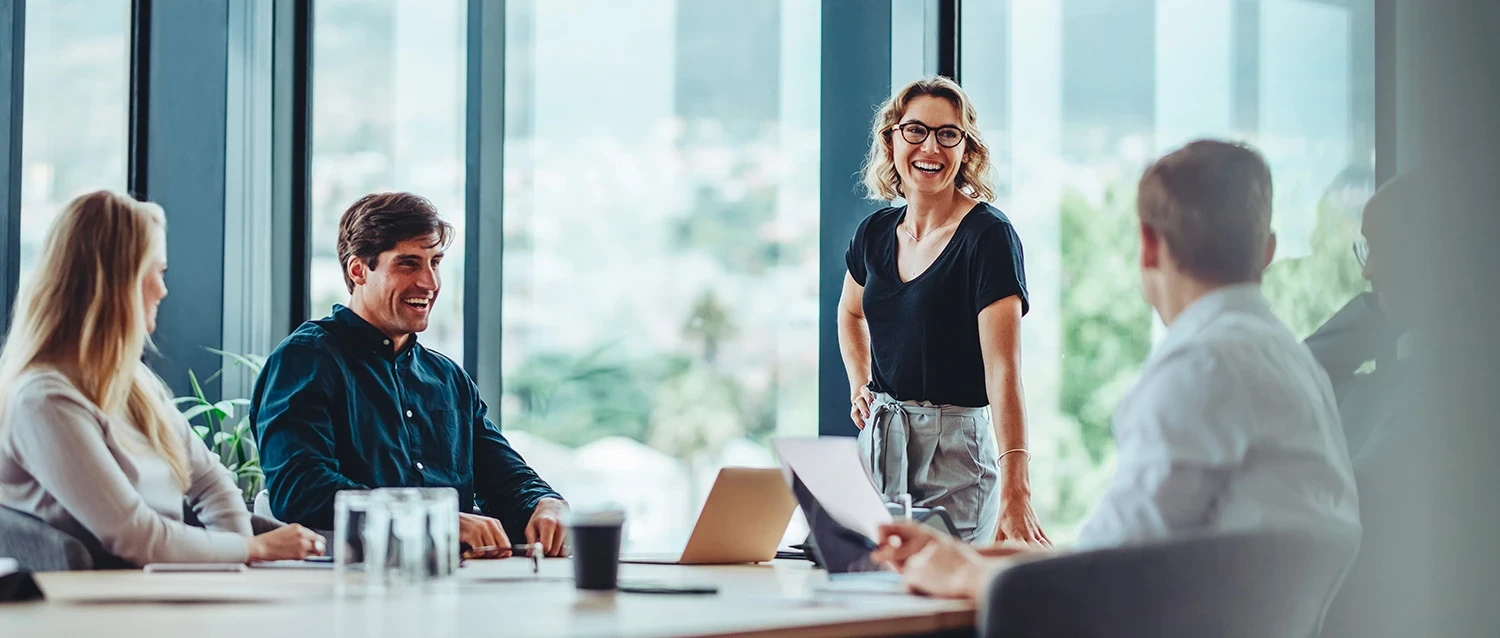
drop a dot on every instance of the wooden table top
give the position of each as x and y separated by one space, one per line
498 597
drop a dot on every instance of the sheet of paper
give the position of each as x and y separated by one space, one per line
829 466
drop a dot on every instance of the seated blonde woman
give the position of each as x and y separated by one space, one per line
89 441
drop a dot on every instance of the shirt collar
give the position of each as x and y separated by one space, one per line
1244 297
368 334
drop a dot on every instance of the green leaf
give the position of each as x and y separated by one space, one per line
221 437
198 392
181 400
253 362
197 411
197 389
226 408
201 431
252 451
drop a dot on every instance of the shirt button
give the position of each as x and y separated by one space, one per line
408 414
419 465
387 342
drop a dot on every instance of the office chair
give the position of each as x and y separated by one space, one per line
1241 584
38 546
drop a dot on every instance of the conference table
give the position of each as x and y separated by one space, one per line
487 598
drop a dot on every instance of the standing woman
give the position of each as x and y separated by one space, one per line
89 440
929 321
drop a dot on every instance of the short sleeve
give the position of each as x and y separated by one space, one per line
999 267
857 255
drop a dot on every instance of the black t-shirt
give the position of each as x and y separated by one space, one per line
924 334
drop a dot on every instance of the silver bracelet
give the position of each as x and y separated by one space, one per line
1019 449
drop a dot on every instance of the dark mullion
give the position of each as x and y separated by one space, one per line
856 78
12 81
301 164
949 33
1386 103
140 99
484 196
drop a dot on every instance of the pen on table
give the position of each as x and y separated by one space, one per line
515 550
532 551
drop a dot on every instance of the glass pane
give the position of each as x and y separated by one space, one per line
388 115
77 105
661 245
1077 97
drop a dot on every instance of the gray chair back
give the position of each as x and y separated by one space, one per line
38 546
1244 584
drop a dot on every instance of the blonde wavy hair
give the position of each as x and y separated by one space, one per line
974 175
82 314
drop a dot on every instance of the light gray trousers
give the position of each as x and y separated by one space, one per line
943 455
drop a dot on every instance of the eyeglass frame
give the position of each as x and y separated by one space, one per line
962 134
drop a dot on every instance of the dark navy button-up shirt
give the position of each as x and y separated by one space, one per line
338 408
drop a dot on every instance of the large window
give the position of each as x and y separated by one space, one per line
1076 97
388 115
77 102
661 245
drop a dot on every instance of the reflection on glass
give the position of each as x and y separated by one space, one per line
77 99
661 245
388 115
1076 97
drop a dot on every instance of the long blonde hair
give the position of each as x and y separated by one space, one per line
82 313
974 176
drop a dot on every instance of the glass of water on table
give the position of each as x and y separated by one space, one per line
395 538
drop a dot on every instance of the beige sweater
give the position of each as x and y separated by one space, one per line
65 461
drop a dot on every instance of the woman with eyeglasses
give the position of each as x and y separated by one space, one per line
929 322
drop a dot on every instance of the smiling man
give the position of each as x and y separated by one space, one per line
353 401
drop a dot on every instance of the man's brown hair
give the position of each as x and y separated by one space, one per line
379 221
1211 202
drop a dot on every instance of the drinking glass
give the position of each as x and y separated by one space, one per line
361 533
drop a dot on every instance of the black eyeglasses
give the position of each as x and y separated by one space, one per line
916 133
1361 252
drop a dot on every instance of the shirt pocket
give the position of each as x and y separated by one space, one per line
446 442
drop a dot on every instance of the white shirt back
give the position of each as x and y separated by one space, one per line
1232 426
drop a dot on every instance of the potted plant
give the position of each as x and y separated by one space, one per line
225 426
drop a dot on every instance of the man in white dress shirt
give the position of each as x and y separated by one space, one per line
1233 425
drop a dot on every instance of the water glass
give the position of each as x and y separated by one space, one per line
395 537
361 532
442 529
408 546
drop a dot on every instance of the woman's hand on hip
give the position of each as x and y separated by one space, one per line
859 405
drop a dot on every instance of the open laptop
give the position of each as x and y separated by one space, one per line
742 521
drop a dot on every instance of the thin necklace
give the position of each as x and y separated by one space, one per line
915 238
